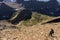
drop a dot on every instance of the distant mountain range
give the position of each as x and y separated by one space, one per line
50 8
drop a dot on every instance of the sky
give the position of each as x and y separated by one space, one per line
58 1
49 0
44 0
10 0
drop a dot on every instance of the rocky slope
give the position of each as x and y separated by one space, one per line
9 31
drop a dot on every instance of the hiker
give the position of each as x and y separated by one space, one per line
51 33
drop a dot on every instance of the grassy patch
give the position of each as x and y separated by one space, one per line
36 18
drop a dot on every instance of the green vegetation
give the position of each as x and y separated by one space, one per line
36 18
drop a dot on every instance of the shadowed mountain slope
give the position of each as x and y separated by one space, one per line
50 8
5 11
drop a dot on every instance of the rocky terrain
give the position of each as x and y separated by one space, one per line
39 31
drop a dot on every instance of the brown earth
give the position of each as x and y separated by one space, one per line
36 32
